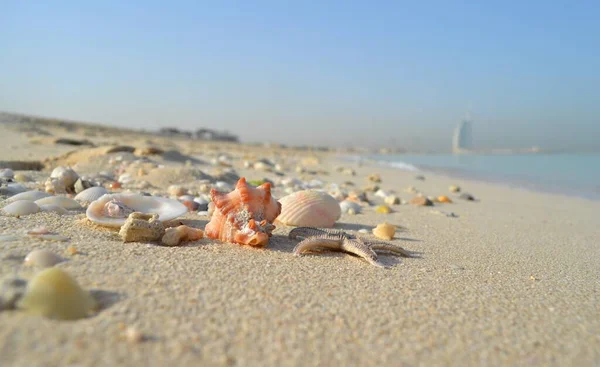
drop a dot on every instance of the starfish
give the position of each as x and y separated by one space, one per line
315 239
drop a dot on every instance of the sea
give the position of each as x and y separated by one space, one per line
568 174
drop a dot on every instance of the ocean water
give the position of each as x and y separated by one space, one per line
570 174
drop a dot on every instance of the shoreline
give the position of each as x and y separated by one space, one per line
583 192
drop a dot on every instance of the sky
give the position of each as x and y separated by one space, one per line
339 73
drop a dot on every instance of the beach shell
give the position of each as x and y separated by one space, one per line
81 185
91 194
140 227
66 174
7 173
382 194
347 206
61 201
21 177
32 195
174 236
392 200
384 231
12 189
112 210
309 208
454 188
55 186
443 199
21 207
244 215
55 294
42 258
383 209
421 201
53 208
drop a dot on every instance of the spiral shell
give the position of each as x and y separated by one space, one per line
309 208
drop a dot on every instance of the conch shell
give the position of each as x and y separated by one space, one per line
244 215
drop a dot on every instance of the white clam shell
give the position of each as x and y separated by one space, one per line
53 208
346 205
309 208
32 195
91 194
21 207
61 201
42 258
167 209
12 189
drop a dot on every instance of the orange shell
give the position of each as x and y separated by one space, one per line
244 215
444 199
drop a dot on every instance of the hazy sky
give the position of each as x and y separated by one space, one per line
322 72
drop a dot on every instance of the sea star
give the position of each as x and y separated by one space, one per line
315 238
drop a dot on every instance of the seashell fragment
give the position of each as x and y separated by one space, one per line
21 207
383 209
42 258
55 186
454 188
55 294
53 208
346 206
443 199
140 227
374 178
309 208
384 231
244 215
112 210
32 195
421 201
91 194
81 185
174 236
61 201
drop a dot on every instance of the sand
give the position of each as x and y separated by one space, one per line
514 280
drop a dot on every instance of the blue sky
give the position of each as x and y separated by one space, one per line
344 73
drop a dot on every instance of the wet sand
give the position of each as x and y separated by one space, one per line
513 280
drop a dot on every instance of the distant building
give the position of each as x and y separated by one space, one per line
462 140
207 134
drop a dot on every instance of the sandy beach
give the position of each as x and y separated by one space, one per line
513 279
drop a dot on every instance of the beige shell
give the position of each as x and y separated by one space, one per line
55 294
21 207
309 208
62 201
384 231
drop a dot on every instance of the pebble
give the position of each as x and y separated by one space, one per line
383 209
421 201
420 177
374 178
466 196
392 200
21 177
7 173
454 188
443 199
133 335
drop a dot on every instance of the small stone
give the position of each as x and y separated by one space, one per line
176 190
421 201
392 200
383 209
374 178
466 196
141 227
444 199
71 250
114 185
420 177
454 188
133 335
